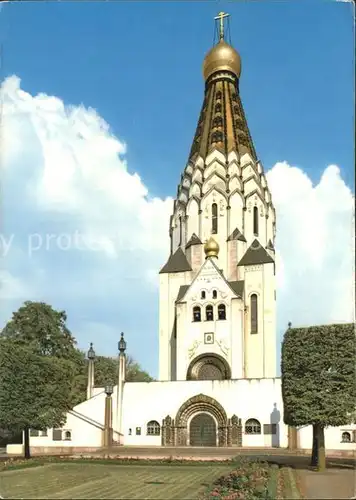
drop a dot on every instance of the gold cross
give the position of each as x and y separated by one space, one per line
221 16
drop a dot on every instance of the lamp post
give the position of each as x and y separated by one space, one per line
122 344
108 416
91 359
120 384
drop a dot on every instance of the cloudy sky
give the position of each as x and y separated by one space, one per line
99 106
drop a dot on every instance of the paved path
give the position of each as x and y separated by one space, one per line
333 484
276 455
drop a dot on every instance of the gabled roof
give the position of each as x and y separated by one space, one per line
256 254
238 287
177 263
270 245
236 235
182 291
194 240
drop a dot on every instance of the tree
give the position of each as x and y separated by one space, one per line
106 370
34 390
318 380
43 330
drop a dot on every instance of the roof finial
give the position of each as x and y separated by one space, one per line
220 17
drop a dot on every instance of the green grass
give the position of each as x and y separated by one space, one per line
87 480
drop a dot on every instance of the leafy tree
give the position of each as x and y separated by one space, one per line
318 380
43 330
34 390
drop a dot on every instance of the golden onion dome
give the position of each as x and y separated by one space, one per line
211 248
222 57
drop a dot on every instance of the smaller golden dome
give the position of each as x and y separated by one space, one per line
222 57
211 248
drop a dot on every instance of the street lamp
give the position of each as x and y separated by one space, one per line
109 389
91 352
122 344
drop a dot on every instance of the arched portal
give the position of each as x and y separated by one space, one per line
202 430
200 415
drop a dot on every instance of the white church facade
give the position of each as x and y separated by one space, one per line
218 383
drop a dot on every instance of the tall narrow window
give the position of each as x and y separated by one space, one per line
215 294
254 313
255 221
180 230
196 313
221 311
209 313
214 213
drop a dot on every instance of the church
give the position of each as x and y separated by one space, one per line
218 383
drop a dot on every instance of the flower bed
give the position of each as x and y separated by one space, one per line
251 480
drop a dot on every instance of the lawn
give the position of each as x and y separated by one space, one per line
85 480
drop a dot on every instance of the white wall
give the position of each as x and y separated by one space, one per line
332 437
82 433
245 398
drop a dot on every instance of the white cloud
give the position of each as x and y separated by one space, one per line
315 240
66 174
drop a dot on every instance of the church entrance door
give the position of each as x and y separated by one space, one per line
202 430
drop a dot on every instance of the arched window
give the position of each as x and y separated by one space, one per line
209 313
221 311
214 218
218 121
218 108
203 294
67 435
255 221
217 136
346 437
218 94
153 428
196 313
254 313
252 426
180 230
130 432
215 294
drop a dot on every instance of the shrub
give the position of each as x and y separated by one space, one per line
249 481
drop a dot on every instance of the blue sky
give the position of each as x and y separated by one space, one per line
138 64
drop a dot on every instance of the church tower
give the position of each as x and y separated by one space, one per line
217 315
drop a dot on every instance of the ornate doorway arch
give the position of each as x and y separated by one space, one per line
202 430
195 406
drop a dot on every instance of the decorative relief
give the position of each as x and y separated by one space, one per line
209 338
193 349
252 268
224 349
222 207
